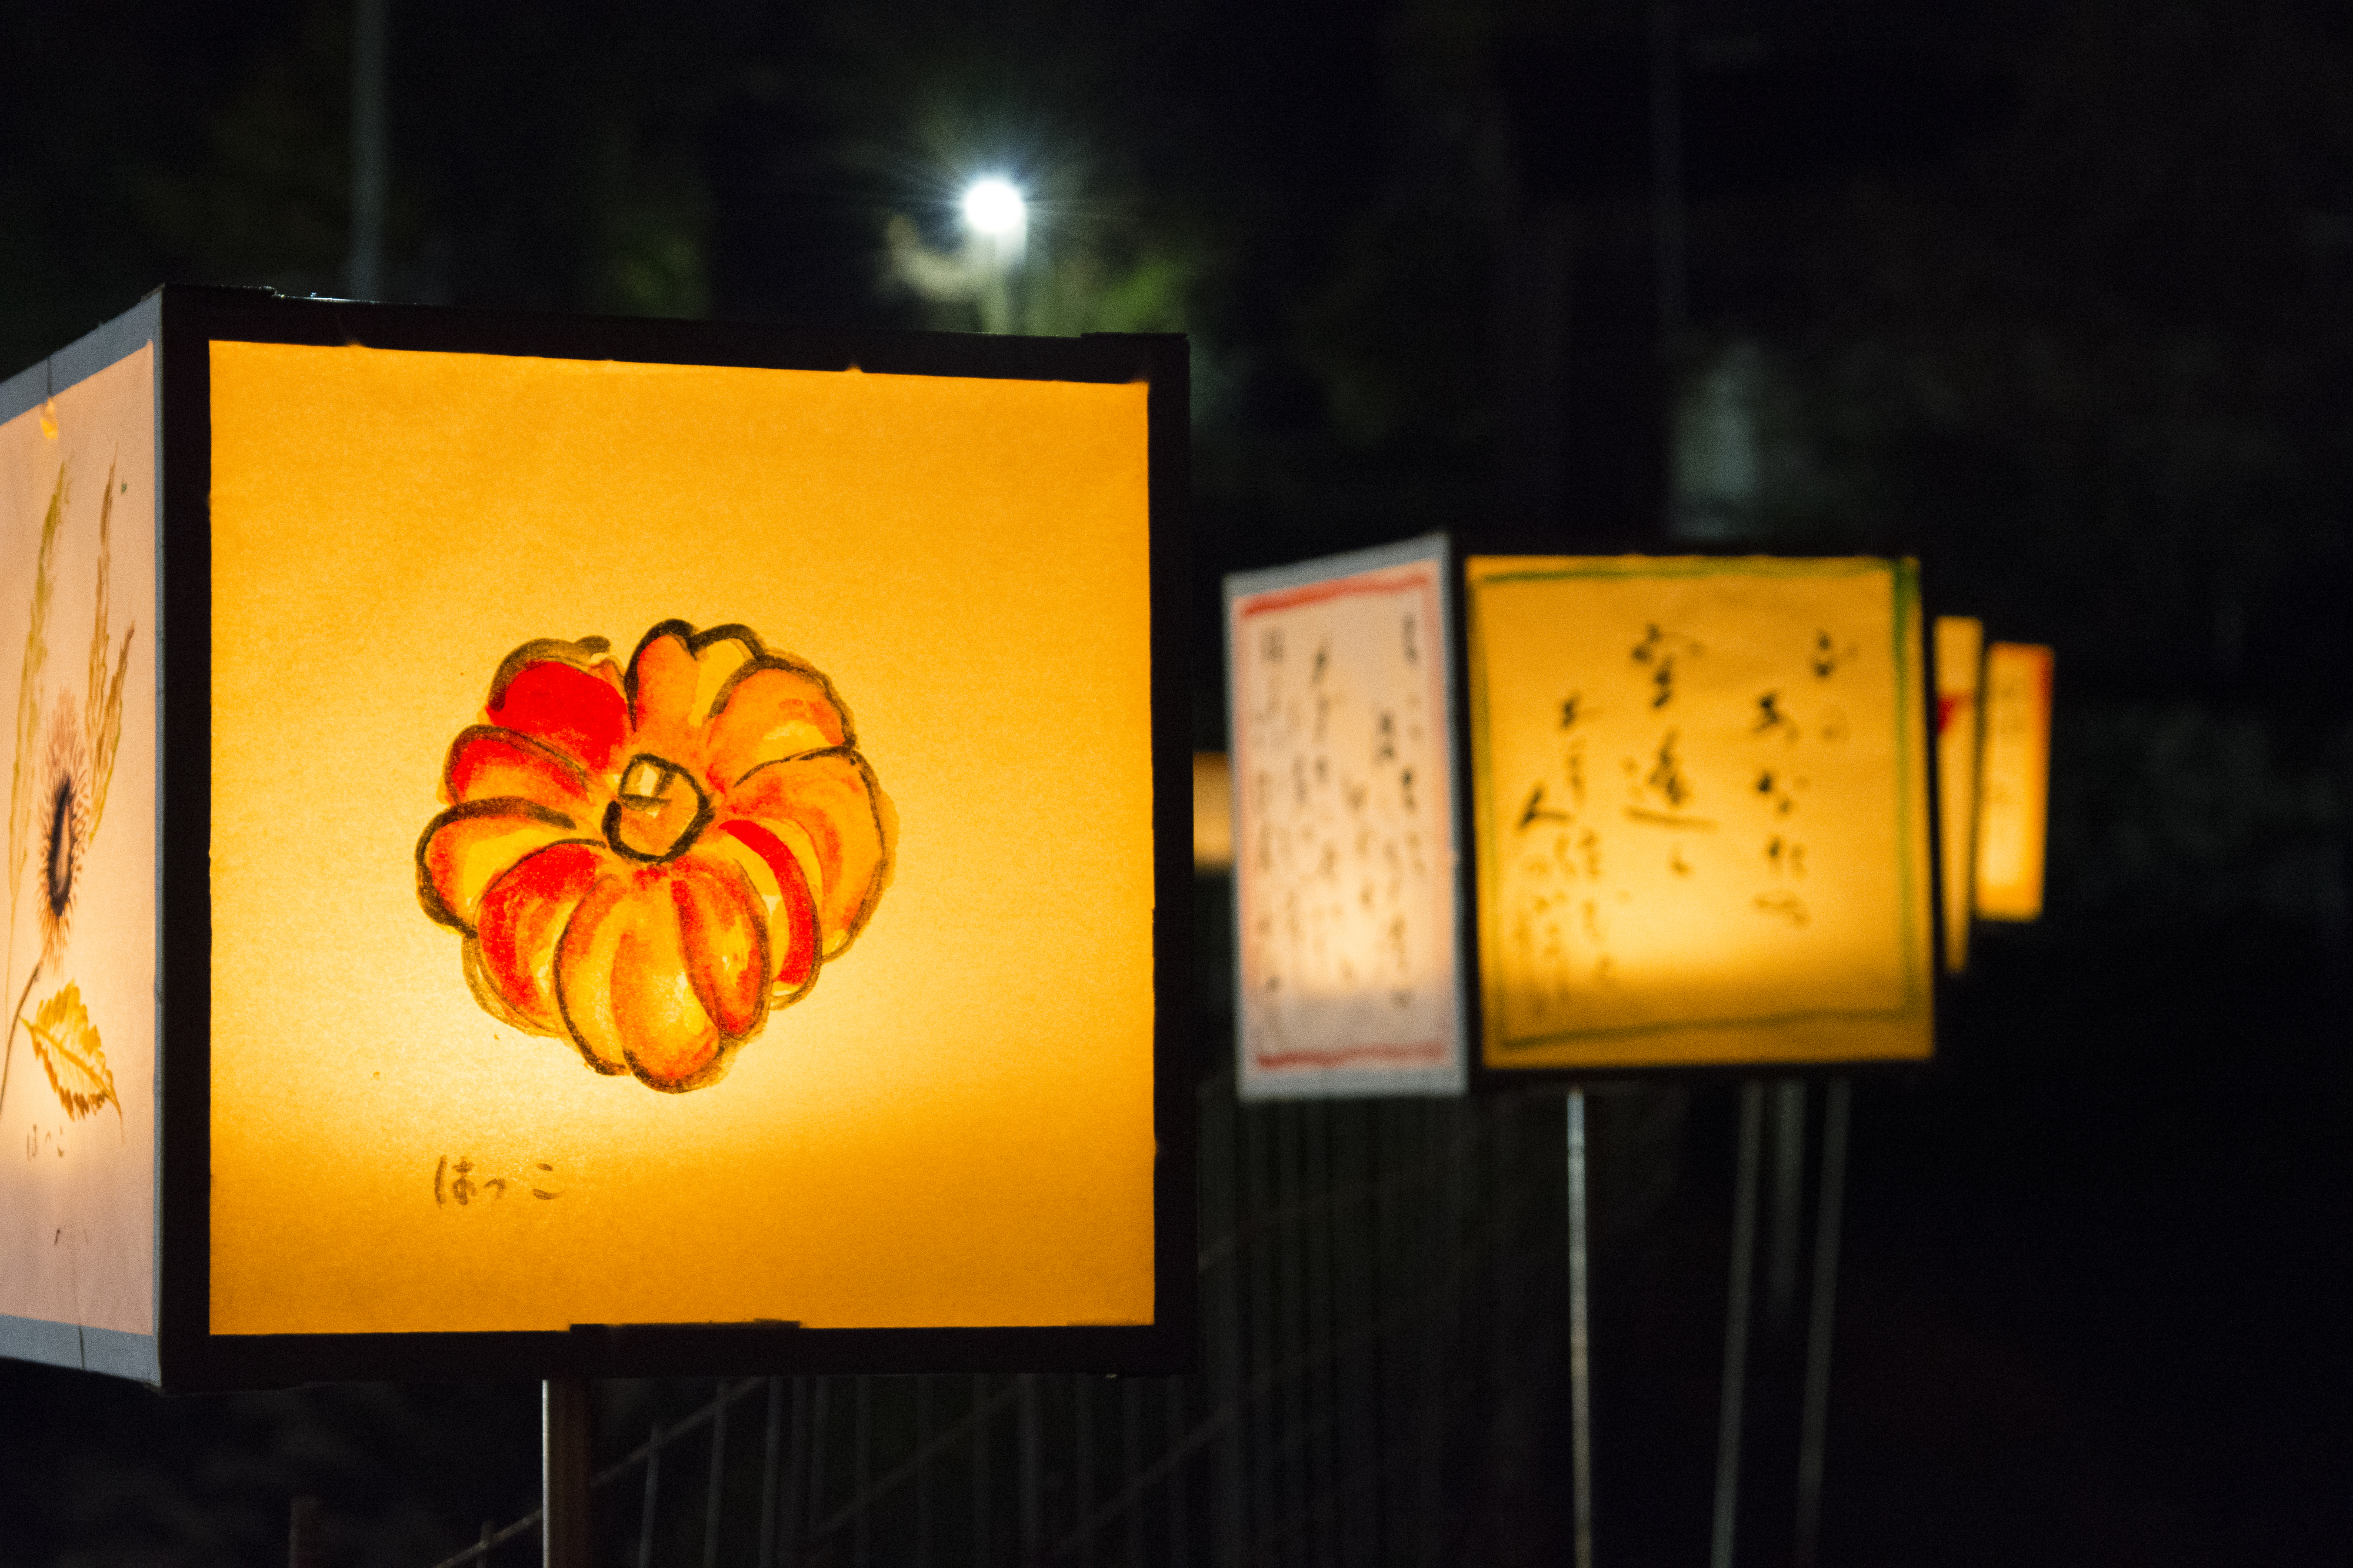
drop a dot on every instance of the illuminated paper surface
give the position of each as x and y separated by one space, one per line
78 1104
954 1126
1699 798
1959 659
1348 979
2016 782
1213 813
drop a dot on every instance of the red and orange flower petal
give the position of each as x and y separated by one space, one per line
595 944
523 921
469 847
489 764
776 875
723 919
580 712
771 711
827 806
621 975
661 684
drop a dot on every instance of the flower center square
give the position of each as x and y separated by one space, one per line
657 811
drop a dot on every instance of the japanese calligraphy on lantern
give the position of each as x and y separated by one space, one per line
1348 978
2015 781
1699 798
1959 644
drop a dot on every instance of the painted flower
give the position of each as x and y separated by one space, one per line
649 862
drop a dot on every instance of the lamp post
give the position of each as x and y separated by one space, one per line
996 229
364 268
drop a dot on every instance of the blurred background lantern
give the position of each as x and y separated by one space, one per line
1700 808
1959 660
1349 965
2015 781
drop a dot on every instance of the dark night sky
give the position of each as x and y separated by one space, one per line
2056 296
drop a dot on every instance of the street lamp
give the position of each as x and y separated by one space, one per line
997 223
994 210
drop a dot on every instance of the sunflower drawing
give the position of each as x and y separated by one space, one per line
61 817
56 795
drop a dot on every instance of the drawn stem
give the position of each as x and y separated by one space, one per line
8 1057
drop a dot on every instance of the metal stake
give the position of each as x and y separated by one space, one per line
1789 1202
980 1543
923 1473
793 1508
1816 1419
1032 1522
564 1472
1580 1381
711 1512
771 1459
653 1499
1735 1325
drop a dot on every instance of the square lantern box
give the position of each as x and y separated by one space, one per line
563 847
2014 782
1348 975
1699 803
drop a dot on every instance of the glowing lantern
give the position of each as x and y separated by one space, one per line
649 861
1348 978
1699 800
2015 788
1960 658
1213 814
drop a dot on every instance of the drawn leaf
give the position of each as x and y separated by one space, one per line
110 732
103 703
29 685
67 1044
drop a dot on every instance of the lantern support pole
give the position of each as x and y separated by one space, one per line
564 1472
363 268
303 1532
1789 1140
1736 1325
1580 1381
1810 1432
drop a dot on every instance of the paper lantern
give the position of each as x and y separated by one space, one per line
1961 656
2015 788
1348 978
1213 814
1699 801
648 863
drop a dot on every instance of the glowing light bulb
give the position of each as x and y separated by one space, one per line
994 207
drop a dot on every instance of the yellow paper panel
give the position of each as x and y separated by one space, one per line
2016 783
78 627
1960 658
1700 802
1213 814
953 1127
